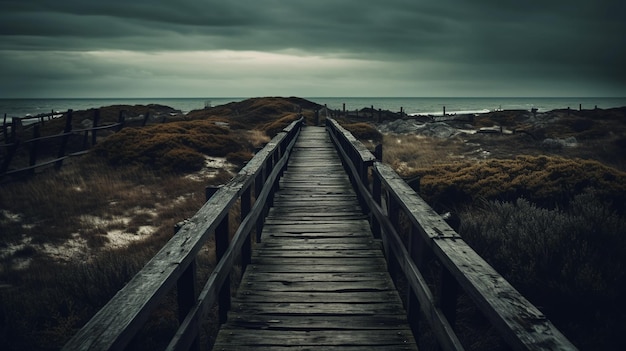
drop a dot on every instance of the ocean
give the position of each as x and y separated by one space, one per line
417 105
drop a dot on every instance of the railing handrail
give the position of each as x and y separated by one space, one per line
518 322
114 326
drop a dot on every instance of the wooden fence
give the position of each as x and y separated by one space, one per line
521 325
115 325
17 141
14 141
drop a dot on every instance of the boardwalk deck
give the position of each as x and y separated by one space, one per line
318 279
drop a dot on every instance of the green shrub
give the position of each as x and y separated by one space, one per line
570 262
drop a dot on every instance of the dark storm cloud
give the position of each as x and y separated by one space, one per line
579 41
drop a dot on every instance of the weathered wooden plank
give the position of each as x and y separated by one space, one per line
372 297
319 268
316 308
325 227
288 323
317 338
275 252
311 348
287 278
332 261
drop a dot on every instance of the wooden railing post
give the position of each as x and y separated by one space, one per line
393 213
34 145
221 245
269 167
187 293
96 120
376 194
120 120
448 292
5 128
417 252
64 139
12 148
246 249
258 187
146 118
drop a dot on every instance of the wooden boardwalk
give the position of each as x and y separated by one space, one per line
318 280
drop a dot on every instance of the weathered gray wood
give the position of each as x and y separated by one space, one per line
250 338
317 277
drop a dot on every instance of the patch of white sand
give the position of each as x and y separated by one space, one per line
212 167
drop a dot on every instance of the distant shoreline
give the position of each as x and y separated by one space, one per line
410 106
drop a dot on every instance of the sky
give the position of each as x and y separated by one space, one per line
312 48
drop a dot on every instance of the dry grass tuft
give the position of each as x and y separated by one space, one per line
407 153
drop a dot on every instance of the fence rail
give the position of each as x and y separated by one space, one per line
521 325
13 141
114 326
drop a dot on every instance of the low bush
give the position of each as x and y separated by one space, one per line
549 181
239 158
173 147
274 127
571 261
364 131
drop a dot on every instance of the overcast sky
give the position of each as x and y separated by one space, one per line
312 48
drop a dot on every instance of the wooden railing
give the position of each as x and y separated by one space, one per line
115 325
520 324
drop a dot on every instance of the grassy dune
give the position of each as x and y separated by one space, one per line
71 239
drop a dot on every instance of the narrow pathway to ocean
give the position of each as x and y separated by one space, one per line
318 280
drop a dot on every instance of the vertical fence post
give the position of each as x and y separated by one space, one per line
12 148
5 129
34 145
221 245
417 251
146 118
120 120
393 213
376 194
96 120
187 293
65 139
258 187
448 292
246 249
